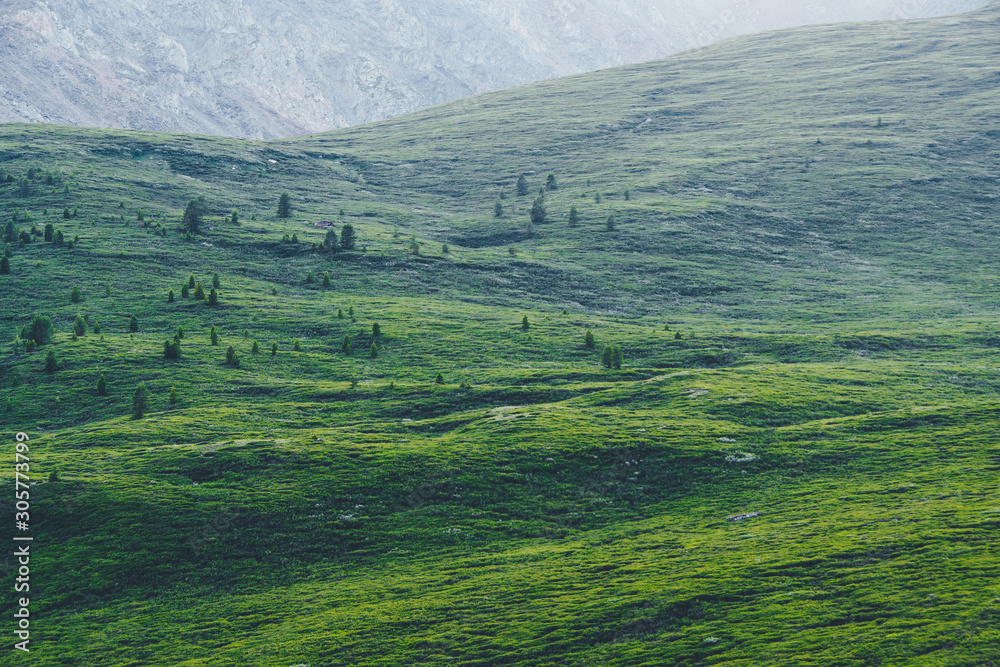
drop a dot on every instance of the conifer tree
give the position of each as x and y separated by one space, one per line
215 335
170 296
284 205
215 281
538 211
588 340
376 330
185 291
606 357
347 240
326 279
97 327
133 324
191 282
172 397
199 292
524 323
550 182
255 349
140 401
309 278
51 364
439 379
498 209
213 298
522 186
574 216
4 266
79 326
345 347
102 386
50 230
373 352
274 349
74 294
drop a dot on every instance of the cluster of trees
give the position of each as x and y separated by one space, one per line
199 292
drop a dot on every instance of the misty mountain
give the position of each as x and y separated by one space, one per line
262 68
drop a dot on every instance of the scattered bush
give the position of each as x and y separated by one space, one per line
133 324
51 364
74 295
284 206
345 347
588 340
439 379
172 349
80 326
213 298
102 386
170 296
215 336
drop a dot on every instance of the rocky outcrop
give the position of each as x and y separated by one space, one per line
269 68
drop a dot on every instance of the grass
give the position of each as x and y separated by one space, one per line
812 210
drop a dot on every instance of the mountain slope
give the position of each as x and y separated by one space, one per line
257 68
795 463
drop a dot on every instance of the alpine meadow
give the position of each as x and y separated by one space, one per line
692 362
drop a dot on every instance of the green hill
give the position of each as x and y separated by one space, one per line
791 239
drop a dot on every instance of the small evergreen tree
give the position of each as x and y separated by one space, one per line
172 349
58 238
350 312
284 206
51 364
439 379
616 357
97 327
347 240
180 333
191 282
309 278
235 217
597 197
610 225
216 283
193 213
414 245
231 356
538 211
80 326
255 349
373 352
297 347
522 186
39 331
345 347
574 216
170 296
274 349
213 298
330 241
524 323
50 230
172 397
606 357
185 291
677 336
74 294
65 217
550 182
199 292
214 335
376 330
4 266
628 195
498 209
588 340
326 279
140 401
9 231
102 386
133 324
340 313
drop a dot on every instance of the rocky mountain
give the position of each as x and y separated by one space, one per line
264 68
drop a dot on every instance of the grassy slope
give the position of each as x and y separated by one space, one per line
838 278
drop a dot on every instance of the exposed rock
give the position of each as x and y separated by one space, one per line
264 68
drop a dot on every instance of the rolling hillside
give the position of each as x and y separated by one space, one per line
796 462
262 69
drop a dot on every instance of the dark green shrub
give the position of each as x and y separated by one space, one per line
79 326
347 240
588 340
215 336
51 364
524 323
170 296
40 330
102 386
172 349
216 283
373 352
345 347
439 379
284 205
213 298
199 292
133 324
376 330
74 295
185 291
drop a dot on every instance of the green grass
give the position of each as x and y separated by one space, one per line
833 282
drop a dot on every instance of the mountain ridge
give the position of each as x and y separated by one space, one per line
261 69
